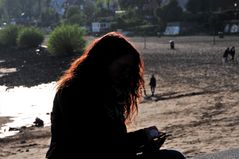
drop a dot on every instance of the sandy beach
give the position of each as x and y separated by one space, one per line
196 101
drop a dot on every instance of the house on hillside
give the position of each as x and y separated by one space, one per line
180 28
100 27
231 28
172 28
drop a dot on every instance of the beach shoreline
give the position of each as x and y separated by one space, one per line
30 142
4 120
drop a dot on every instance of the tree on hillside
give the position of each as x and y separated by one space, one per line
200 6
22 9
74 15
170 12
2 10
49 18
89 10
196 6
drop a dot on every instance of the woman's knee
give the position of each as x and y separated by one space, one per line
170 154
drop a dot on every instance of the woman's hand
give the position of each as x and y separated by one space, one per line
155 139
152 133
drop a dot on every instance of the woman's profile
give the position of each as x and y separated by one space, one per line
96 96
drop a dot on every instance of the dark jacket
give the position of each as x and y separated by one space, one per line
152 82
80 126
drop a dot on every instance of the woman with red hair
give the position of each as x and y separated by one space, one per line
95 98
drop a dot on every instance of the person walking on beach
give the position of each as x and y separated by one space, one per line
225 55
171 43
89 124
152 84
232 53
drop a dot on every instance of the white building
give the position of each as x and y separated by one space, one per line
98 27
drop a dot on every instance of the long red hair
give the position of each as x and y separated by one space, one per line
98 55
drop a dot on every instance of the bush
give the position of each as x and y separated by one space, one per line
8 35
30 38
66 40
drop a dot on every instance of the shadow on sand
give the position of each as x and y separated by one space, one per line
174 95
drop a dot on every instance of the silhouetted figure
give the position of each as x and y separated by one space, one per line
112 67
145 92
38 122
152 84
225 55
232 53
171 42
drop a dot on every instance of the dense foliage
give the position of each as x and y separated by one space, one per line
30 38
66 40
8 36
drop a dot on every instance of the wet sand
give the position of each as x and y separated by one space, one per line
4 120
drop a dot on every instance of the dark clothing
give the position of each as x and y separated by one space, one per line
171 44
163 154
152 84
75 134
225 55
232 53
82 129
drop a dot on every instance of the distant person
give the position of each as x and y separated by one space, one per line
96 97
171 43
152 84
225 55
232 53
145 92
38 122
